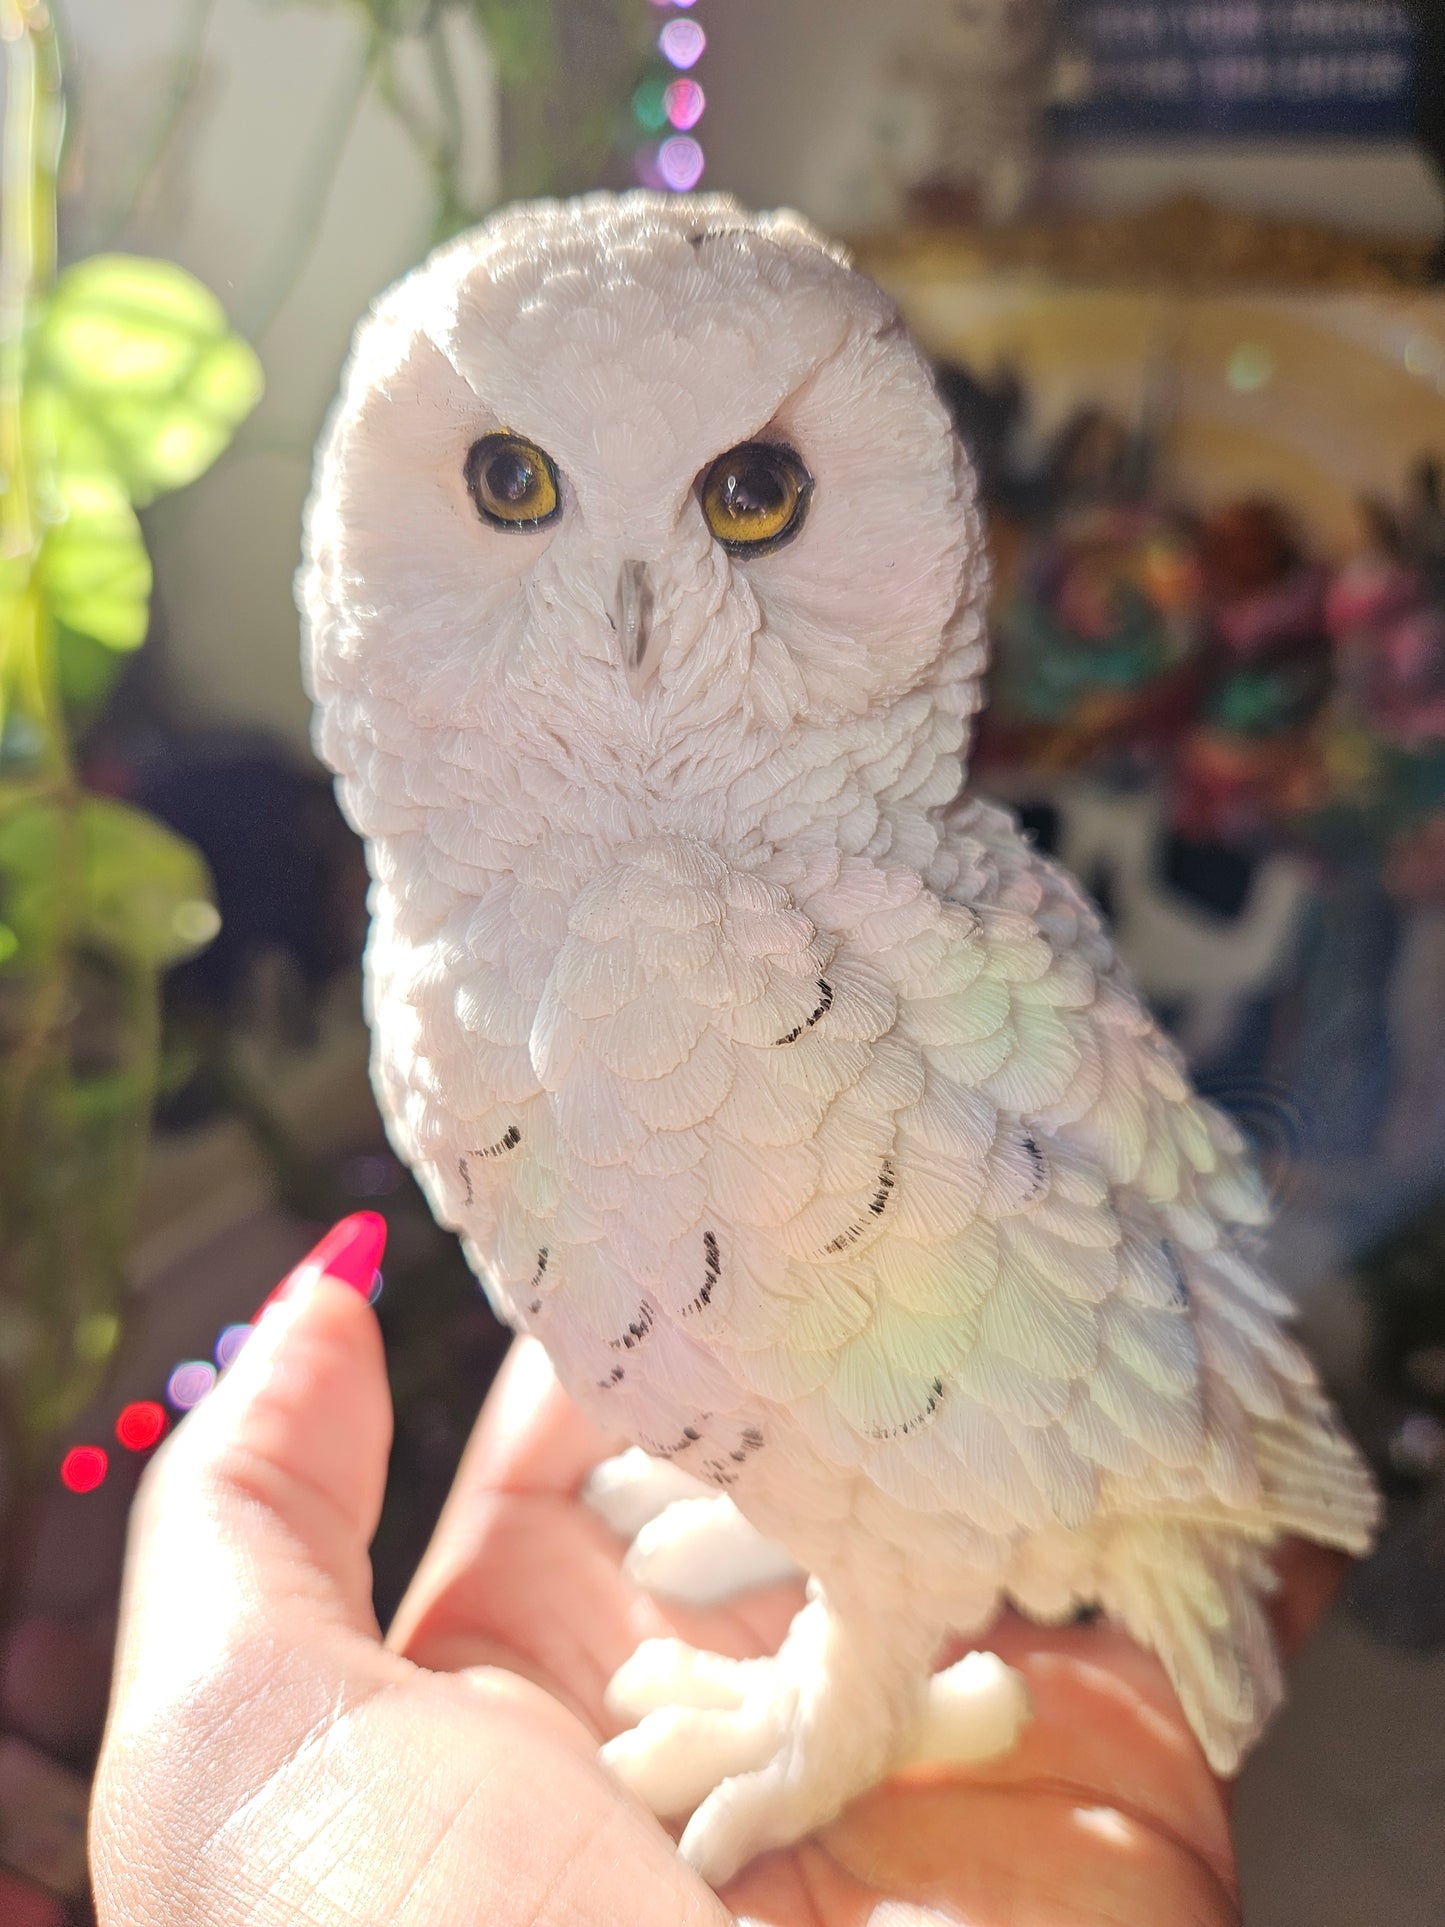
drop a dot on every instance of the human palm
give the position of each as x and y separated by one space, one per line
269 1758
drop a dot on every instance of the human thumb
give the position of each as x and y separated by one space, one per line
247 1575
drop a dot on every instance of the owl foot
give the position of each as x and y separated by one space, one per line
688 1542
762 1751
702 1552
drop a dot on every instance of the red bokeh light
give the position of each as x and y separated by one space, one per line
83 1468
141 1426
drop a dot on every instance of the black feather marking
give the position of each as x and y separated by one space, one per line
935 1399
749 1441
466 1177
636 1331
824 1005
508 1141
886 1182
958 903
1176 1267
712 1264
877 1205
1040 1165
537 1276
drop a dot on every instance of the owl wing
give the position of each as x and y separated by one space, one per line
1023 1287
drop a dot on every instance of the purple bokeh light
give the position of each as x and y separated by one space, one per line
680 162
189 1383
230 1343
682 42
646 170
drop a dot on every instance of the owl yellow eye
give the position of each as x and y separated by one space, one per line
512 482
754 498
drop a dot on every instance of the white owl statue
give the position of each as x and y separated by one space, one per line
804 1113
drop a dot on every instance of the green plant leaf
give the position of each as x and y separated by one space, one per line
94 568
135 363
143 894
85 674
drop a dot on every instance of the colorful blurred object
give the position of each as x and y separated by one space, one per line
1103 606
1263 675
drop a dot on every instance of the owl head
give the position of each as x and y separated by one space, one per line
650 485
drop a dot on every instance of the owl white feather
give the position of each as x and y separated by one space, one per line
806 1116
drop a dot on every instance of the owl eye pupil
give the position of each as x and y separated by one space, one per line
512 482
510 476
755 496
756 490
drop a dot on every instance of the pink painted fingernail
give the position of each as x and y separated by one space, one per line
350 1252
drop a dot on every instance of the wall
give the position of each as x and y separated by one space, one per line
240 194
804 107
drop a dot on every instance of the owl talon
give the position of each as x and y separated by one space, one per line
763 1751
702 1552
670 1673
631 1490
976 1711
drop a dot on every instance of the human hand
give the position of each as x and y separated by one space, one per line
270 1759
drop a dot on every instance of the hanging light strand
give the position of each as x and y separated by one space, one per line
670 103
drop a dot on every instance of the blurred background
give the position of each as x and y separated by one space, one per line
1181 265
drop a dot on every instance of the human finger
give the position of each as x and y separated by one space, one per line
248 1547
520 1574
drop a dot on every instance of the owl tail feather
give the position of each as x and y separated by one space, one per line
1194 1598
1315 1482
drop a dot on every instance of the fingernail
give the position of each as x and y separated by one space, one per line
350 1252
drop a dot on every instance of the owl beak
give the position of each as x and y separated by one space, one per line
631 617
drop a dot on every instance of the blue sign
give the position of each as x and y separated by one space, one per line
1236 69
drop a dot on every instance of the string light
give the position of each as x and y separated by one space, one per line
142 1425
189 1383
677 162
682 43
230 1345
83 1468
683 102
680 163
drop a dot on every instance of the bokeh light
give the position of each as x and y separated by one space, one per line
142 1425
83 1468
230 1344
189 1383
1424 356
680 163
649 104
684 102
682 42
1252 366
644 168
